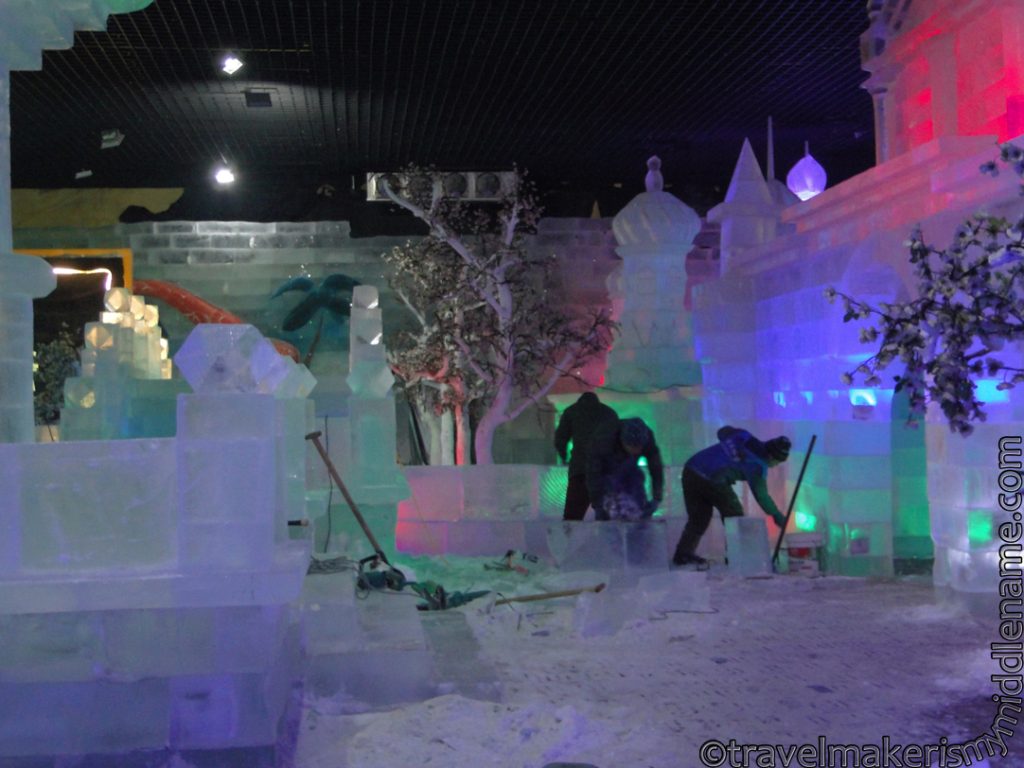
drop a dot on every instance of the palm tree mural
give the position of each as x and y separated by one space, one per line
333 296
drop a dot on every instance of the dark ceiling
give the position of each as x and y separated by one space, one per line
579 92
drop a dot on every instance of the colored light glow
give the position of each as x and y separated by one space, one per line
808 397
642 462
71 271
985 390
979 528
863 397
805 521
780 399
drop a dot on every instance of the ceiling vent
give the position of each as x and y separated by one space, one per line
481 186
258 99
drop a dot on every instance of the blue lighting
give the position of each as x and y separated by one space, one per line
863 397
985 390
780 399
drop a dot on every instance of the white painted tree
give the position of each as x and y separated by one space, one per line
491 331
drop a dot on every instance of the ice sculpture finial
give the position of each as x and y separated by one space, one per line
747 184
807 178
655 219
654 181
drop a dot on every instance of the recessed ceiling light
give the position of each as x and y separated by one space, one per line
231 64
224 176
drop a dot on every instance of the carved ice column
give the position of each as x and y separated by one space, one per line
27 27
654 349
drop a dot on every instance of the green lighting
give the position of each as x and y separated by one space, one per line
643 461
806 521
979 528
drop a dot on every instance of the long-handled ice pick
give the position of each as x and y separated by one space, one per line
314 437
792 501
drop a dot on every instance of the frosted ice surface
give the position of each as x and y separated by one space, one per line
231 358
118 300
370 379
747 546
365 297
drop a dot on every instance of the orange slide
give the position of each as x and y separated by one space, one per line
199 310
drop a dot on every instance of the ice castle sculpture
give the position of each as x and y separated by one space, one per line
654 233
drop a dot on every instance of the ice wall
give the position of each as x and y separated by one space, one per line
145 585
773 349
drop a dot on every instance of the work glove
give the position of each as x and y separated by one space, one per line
780 519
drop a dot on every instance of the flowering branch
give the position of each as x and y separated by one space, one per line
954 332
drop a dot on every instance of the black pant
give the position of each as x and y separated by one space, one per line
576 498
702 497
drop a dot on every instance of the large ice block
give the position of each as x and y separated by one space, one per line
87 510
747 546
628 549
231 358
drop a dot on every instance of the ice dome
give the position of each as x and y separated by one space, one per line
655 217
807 178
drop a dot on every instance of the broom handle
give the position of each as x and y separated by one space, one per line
792 500
315 438
548 595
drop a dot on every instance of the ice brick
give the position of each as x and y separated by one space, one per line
231 358
226 416
500 491
437 493
76 718
630 549
606 612
84 509
747 546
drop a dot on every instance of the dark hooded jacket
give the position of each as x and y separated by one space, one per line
611 469
578 423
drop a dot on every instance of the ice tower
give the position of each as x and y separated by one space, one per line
652 370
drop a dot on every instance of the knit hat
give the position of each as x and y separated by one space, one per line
778 448
635 433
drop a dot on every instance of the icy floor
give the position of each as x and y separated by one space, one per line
778 661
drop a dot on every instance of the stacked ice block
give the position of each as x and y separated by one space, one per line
145 585
967 476
125 388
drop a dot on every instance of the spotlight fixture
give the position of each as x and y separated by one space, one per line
231 64
111 138
224 176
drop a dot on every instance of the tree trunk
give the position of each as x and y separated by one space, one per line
495 416
446 446
461 434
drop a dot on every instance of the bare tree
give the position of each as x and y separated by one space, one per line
491 329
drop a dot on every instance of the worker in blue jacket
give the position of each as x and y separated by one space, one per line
707 484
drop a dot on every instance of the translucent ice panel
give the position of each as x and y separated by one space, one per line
230 358
746 543
83 509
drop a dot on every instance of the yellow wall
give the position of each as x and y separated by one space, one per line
38 208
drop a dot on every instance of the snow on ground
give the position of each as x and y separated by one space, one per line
783 660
